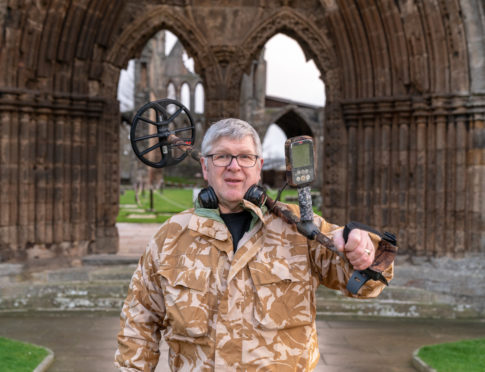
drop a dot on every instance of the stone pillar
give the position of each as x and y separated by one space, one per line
351 121
403 168
336 149
8 178
383 161
366 172
475 168
439 128
59 177
420 116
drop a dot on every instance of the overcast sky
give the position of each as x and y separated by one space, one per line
289 76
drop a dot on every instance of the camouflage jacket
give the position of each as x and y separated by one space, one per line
218 310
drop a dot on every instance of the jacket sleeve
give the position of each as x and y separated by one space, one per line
334 272
141 317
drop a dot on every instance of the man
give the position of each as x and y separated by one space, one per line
233 288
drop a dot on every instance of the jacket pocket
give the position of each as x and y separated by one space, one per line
282 293
186 300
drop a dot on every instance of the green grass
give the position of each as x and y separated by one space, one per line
168 202
290 196
16 356
461 356
165 204
182 180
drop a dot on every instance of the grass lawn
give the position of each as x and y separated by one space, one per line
461 356
168 202
165 204
16 356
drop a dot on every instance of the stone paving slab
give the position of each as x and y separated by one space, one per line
134 237
86 341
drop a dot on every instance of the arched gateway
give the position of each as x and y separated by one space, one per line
404 126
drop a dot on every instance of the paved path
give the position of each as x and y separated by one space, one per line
87 341
134 237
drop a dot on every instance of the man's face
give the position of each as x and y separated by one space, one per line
231 182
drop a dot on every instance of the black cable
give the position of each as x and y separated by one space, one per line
278 196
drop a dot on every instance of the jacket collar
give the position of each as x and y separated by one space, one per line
214 215
209 226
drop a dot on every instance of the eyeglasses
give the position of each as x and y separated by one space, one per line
223 160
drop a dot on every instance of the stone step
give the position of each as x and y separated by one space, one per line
373 308
104 288
99 295
394 302
393 293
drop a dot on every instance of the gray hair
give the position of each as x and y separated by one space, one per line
235 129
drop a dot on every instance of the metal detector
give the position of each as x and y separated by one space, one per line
163 132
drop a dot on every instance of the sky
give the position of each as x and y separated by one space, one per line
289 76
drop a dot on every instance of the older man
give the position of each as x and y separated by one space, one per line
230 286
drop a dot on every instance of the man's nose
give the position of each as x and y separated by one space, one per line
233 165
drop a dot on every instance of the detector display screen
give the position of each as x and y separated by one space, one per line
299 161
301 154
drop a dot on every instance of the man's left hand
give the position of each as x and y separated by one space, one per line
359 249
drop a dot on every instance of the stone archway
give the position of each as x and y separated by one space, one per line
404 116
292 123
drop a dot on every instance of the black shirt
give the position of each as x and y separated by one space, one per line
237 223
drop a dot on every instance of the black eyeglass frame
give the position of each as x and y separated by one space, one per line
233 157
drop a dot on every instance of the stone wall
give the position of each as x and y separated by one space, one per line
404 83
59 178
417 166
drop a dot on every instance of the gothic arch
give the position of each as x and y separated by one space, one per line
404 115
313 43
291 122
127 45
185 95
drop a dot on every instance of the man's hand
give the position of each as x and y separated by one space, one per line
359 249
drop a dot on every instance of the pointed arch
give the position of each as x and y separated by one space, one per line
185 95
311 40
199 98
131 42
292 122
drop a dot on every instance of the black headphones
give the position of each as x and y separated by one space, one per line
208 199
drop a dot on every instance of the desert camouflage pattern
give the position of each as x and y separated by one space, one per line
253 310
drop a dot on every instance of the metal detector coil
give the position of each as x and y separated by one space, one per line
151 128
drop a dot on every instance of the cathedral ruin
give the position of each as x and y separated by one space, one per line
403 124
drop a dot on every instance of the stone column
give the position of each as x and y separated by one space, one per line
383 159
440 129
475 166
420 116
461 188
403 168
366 171
351 122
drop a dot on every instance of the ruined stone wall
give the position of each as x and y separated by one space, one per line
413 108
416 166
404 117
59 176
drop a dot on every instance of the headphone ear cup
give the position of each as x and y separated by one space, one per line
256 195
208 199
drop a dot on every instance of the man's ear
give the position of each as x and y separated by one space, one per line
204 167
260 169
